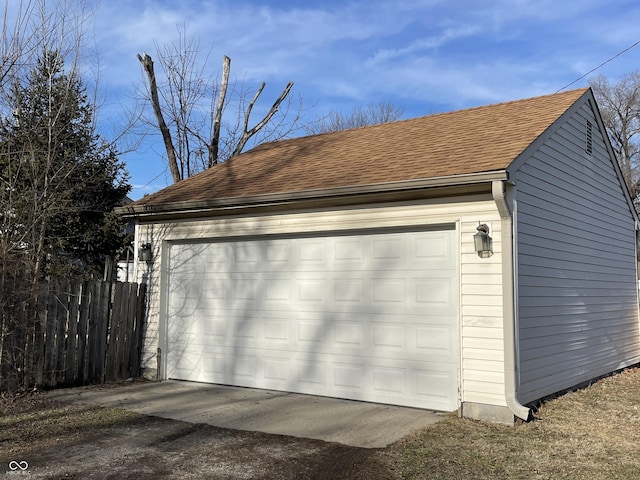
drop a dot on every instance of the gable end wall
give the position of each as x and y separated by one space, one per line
577 292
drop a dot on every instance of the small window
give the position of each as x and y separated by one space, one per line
588 147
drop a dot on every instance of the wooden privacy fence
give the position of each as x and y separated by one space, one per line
77 333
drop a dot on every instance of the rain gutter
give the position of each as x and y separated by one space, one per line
498 189
229 203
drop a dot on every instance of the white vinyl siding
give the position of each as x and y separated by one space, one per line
576 264
480 280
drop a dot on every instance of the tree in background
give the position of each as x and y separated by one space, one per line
619 104
61 180
194 128
372 114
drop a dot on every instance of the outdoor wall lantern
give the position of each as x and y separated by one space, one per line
483 242
144 253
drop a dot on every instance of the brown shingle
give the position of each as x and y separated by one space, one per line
469 141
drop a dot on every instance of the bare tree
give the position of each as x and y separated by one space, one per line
620 108
372 114
191 122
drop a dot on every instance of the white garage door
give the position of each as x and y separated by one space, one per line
362 316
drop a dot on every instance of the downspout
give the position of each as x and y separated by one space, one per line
508 304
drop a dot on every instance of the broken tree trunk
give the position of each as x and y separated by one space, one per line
147 64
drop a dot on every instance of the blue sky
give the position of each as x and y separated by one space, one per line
426 56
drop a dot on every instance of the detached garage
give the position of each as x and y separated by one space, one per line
476 260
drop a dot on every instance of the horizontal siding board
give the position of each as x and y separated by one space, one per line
543 214
483 300
533 271
557 268
538 224
496 389
479 288
537 278
473 355
559 148
579 231
563 379
530 315
482 269
494 344
567 362
473 310
577 288
596 256
540 346
611 259
481 333
482 321
476 367
578 299
489 399
538 320
576 326
481 281
542 178
548 167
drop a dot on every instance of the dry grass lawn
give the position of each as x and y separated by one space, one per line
592 434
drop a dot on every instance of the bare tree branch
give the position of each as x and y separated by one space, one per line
147 65
215 137
619 105
247 134
373 114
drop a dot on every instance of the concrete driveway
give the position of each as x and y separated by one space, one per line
358 424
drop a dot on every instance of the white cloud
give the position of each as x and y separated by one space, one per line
423 45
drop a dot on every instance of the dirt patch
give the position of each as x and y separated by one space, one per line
85 442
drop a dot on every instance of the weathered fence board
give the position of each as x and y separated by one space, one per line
83 323
72 335
76 333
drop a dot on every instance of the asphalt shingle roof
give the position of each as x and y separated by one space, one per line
475 140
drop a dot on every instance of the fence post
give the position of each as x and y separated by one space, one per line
98 330
71 355
137 330
50 350
39 330
61 334
129 331
81 373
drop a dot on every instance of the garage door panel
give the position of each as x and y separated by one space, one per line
349 251
367 317
277 291
277 370
434 340
312 252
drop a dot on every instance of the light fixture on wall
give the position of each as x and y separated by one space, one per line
144 253
483 242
